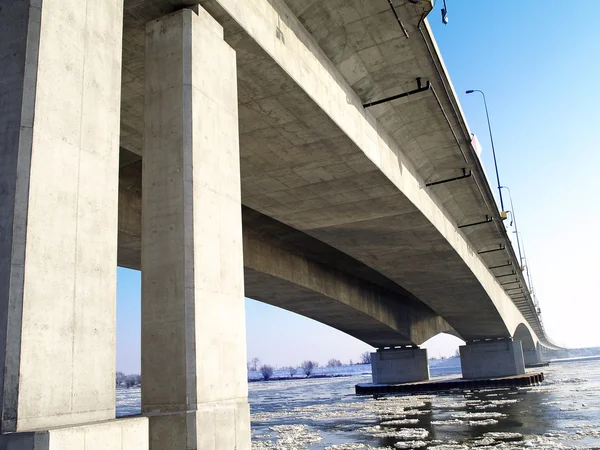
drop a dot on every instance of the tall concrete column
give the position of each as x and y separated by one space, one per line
60 85
399 365
194 386
491 359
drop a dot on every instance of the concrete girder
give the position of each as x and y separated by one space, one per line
304 132
288 269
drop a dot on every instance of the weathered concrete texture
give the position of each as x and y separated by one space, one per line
368 48
399 365
59 128
289 269
312 159
281 277
193 323
120 434
489 359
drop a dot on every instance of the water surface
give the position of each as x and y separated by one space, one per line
561 413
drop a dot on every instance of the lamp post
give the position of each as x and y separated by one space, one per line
514 219
492 142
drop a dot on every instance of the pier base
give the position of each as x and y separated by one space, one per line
489 359
118 434
399 365
528 379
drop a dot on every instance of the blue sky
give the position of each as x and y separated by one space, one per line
538 63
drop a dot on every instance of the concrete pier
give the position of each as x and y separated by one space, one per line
59 134
491 359
194 386
532 356
399 365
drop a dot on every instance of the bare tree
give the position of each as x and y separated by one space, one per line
266 371
365 358
132 380
253 365
120 378
334 363
292 370
308 367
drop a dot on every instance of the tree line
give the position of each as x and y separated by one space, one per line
128 380
307 367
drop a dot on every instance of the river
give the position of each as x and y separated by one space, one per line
324 413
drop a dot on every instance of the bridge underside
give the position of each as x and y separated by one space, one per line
289 269
302 169
247 164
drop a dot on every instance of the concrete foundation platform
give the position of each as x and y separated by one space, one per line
448 384
542 364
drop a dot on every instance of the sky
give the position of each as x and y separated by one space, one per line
537 63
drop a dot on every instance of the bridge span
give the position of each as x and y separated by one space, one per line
309 154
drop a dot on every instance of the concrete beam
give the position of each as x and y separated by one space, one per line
193 325
377 316
380 166
60 86
286 268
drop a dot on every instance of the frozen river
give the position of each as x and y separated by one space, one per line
562 413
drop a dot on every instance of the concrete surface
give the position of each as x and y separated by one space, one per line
287 268
255 103
121 434
193 323
59 128
399 365
312 159
532 356
492 359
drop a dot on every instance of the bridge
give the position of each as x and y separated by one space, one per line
308 154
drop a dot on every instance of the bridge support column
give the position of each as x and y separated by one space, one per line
60 100
532 356
194 387
399 365
491 359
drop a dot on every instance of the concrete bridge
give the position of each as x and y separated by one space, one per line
233 148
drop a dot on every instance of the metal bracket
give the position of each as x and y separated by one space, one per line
462 177
508 263
490 251
420 88
514 289
509 282
488 219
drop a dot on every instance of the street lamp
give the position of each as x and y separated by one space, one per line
514 219
492 142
